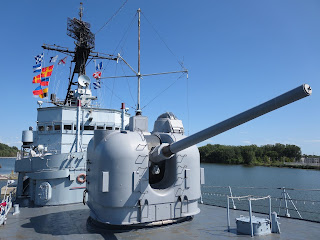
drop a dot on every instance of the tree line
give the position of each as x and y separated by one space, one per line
250 155
6 151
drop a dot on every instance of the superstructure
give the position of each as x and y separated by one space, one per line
52 162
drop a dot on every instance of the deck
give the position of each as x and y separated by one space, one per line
70 222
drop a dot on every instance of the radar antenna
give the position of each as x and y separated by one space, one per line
85 42
81 11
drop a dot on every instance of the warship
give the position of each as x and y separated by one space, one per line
51 166
100 174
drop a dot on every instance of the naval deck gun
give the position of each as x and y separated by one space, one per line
137 178
166 151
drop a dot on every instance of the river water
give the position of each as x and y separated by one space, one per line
257 181
302 186
7 165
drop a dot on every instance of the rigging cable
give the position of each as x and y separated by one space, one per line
121 99
89 62
113 86
162 91
127 83
125 36
112 16
180 63
70 71
59 74
127 30
118 44
188 107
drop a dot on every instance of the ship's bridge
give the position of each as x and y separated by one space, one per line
57 126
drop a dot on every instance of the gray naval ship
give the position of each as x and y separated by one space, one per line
131 183
51 166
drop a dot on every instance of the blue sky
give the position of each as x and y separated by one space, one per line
238 53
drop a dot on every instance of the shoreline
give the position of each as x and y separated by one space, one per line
281 165
8 157
8 176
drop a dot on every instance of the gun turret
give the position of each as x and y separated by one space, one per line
135 177
166 151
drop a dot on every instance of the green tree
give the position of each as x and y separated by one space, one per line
250 155
6 151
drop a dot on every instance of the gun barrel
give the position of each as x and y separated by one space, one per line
273 104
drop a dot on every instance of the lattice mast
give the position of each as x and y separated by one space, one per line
85 43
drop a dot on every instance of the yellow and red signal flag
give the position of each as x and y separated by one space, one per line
36 79
44 93
47 71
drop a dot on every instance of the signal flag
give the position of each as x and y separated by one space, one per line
96 75
44 81
36 79
37 68
45 93
39 58
62 61
96 85
53 59
99 66
38 91
47 71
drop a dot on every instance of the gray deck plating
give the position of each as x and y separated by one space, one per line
70 222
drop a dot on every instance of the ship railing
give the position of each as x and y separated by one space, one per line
287 202
40 154
249 199
6 205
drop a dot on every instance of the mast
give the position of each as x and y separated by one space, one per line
78 146
138 73
138 111
81 11
84 44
